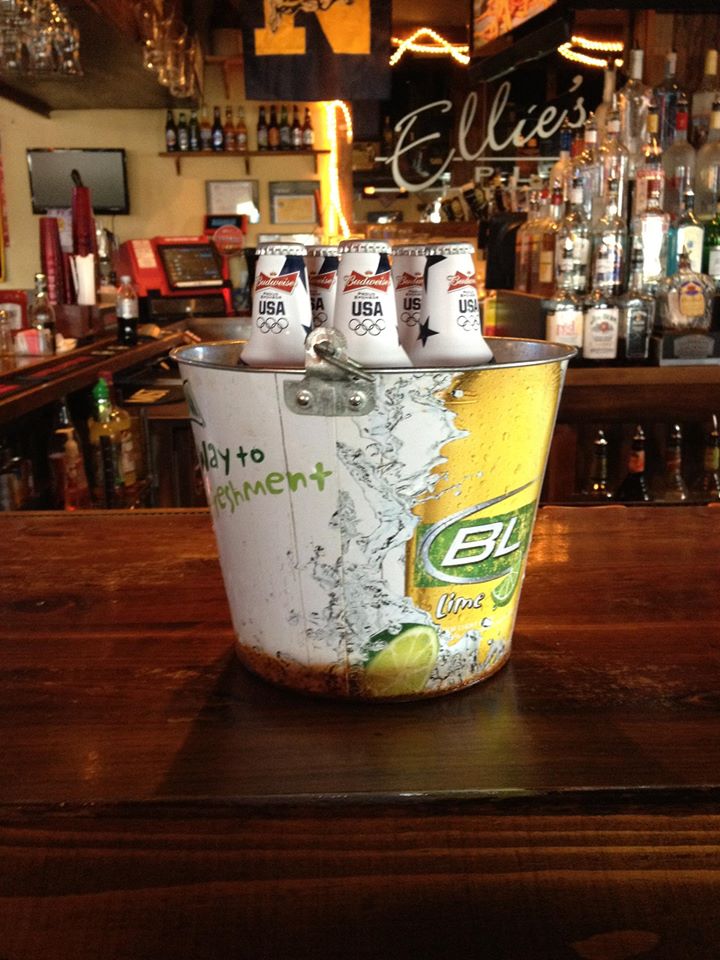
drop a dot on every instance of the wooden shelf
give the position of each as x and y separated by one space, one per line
181 155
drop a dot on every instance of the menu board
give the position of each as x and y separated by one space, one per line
190 265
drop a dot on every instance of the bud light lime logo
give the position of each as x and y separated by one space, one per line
472 547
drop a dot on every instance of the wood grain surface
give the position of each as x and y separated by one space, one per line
156 800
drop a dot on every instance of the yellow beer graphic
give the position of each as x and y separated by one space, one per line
467 556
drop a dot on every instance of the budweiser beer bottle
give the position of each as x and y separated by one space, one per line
365 305
322 270
450 331
408 265
281 318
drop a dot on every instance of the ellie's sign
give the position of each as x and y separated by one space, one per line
473 142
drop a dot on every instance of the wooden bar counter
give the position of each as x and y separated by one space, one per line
157 801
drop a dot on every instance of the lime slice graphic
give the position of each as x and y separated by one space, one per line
503 592
404 666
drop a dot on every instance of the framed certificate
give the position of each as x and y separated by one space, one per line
294 201
233 196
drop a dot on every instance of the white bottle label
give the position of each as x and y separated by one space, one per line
565 326
600 334
714 262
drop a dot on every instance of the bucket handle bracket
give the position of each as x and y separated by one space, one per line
334 384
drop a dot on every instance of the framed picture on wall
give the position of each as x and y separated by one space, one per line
294 201
233 196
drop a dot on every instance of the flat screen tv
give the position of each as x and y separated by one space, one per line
102 170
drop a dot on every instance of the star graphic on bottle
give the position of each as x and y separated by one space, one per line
308 330
425 332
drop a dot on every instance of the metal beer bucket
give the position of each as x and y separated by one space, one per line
373 528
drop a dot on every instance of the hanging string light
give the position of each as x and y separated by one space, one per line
597 46
438 45
335 221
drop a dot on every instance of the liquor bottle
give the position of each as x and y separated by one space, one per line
217 138
537 229
707 485
687 233
548 243
41 316
273 130
637 314
296 131
127 312
605 106
649 172
707 175
588 170
561 171
564 317
572 256
685 299
614 161
171 137
308 134
651 230
634 487
229 131
711 248
107 479
285 135
128 447
665 95
609 243
68 480
702 100
601 313
678 161
205 130
633 102
262 130
522 245
671 486
183 133
241 132
596 487
194 132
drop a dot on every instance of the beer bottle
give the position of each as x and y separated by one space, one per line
205 130
241 132
183 133
672 486
285 136
597 482
262 130
308 134
634 487
296 132
273 130
708 483
194 131
217 141
41 315
171 133
107 480
229 131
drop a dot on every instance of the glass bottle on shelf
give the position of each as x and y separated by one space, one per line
564 316
601 313
183 133
537 229
241 132
262 130
217 138
205 130
711 248
561 171
685 299
605 106
671 486
609 242
707 485
548 244
633 102
634 486
308 134
7 341
194 132
649 172
573 241
637 314
587 169
702 100
597 487
296 130
104 442
686 232
127 312
651 229
229 139
273 130
666 94
41 316
707 168
678 161
522 245
614 162
284 129
171 137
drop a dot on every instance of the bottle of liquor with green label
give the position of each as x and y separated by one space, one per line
596 487
634 487
687 233
672 486
711 248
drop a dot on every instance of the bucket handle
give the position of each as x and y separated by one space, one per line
334 384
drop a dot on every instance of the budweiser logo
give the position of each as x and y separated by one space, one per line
376 281
408 280
322 281
460 279
285 282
